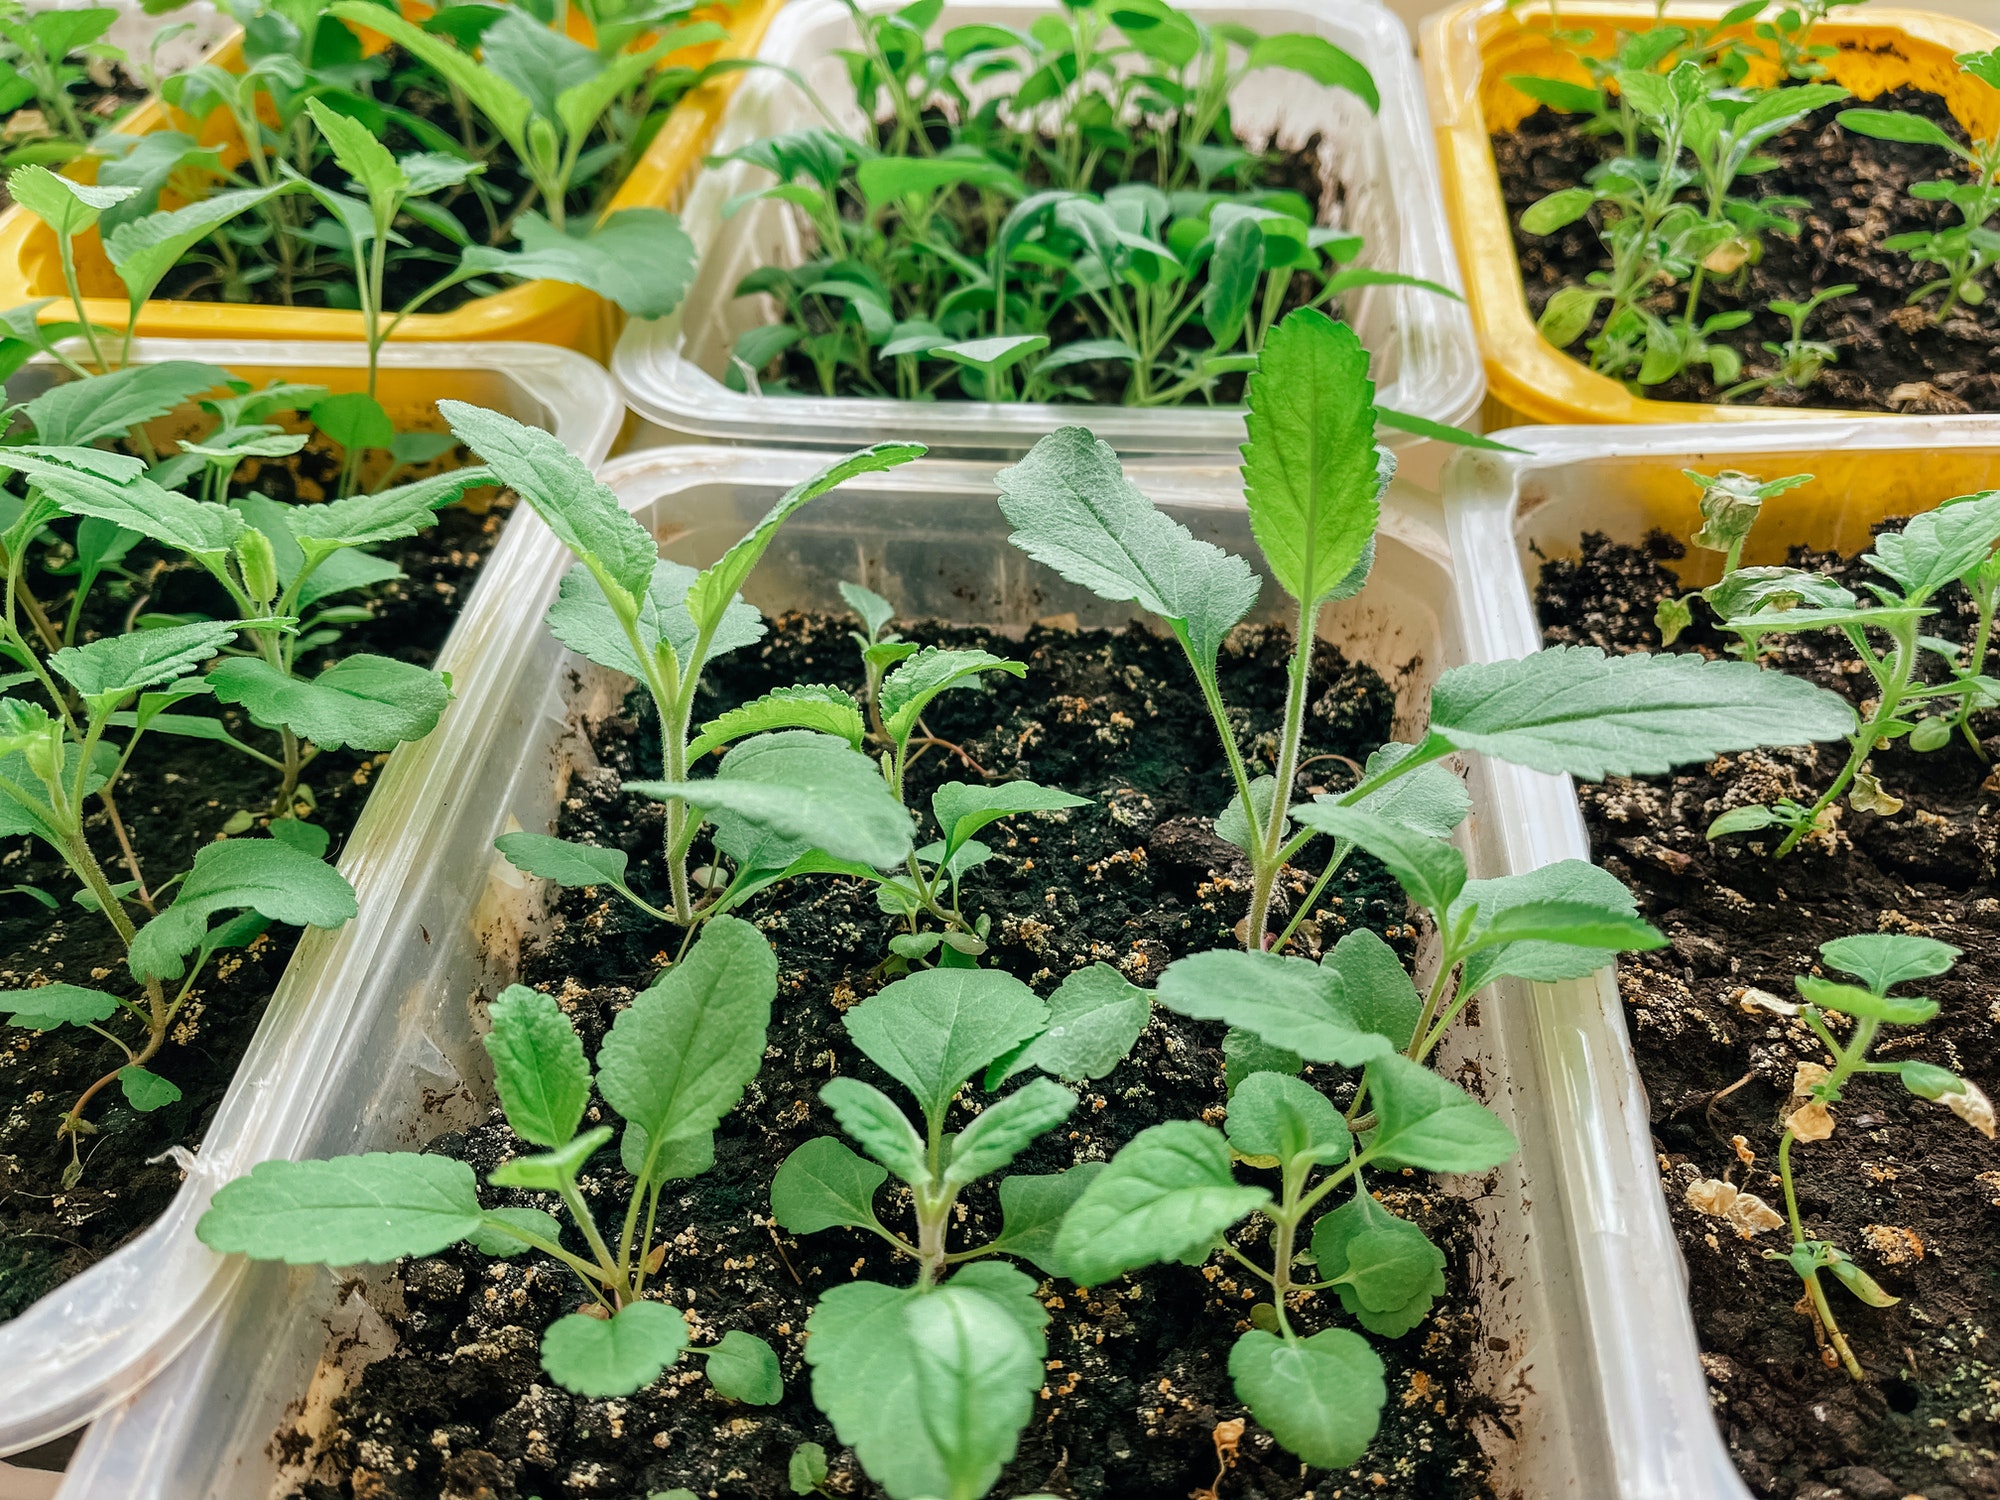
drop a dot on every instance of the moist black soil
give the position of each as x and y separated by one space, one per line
175 797
1892 357
1902 1185
1137 1381
1098 381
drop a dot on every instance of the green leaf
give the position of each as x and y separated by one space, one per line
679 1056
143 250
913 1418
717 585
884 1131
1430 871
908 690
803 786
585 516
875 611
538 1066
1560 921
1567 314
1852 1000
1425 1121
352 1210
1232 825
389 516
1938 547
1742 820
993 355
78 413
823 1185
613 1356
504 106
824 710
551 1171
47 1006
1375 990
1557 211
933 1031
885 179
962 810
146 1091
1006 1128
261 874
1319 60
1291 1003
1749 590
1384 1269
567 864
1167 1195
1892 125
493 1239
1320 1397
1928 1080
1560 95
1244 1054
1429 800
1233 270
107 671
583 620
364 158
1095 1016
639 258
1032 1209
1073 509
1574 710
1286 1119
355 420
807 1471
1858 1281
1312 475
199 527
368 701
1883 960
69 208
745 1368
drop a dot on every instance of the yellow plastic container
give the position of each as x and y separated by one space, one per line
543 312
1469 52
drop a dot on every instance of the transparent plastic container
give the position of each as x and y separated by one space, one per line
102 1334
1426 359
1626 481
930 537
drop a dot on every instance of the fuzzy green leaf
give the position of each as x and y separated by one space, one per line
1423 1120
1095 1016
1574 710
977 1372
583 620
1883 960
1290 1002
137 504
566 863
745 1368
908 690
47 1006
679 1056
1312 475
391 515
108 671
884 1131
1032 1210
1384 1269
1166 1195
146 1090
352 1210
1271 1115
1429 800
1938 547
1073 509
492 1237
143 250
368 701
1560 921
1006 1128
538 1066
1852 1000
1320 1397
1375 989
934 1030
824 710
639 258
67 207
1430 871
823 1185
962 810
613 1356
78 413
265 875
551 1171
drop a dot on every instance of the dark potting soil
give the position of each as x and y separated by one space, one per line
1892 357
1902 1185
1137 1387
174 798
1104 382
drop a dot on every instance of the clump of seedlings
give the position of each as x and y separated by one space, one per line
675 1061
1953 544
1062 213
1881 961
44 56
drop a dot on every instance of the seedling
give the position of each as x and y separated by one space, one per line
1799 359
932 1383
1881 961
43 56
1953 544
1968 249
675 1062
1312 481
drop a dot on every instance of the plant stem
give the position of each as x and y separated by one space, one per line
1870 733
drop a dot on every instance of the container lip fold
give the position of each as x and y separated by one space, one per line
1528 379
102 1334
1436 371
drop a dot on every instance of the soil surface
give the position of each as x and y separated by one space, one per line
1137 1381
1891 357
1902 1185
175 797
1099 381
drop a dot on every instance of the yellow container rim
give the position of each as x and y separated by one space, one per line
1525 374
545 312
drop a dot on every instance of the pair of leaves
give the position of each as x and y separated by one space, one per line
1356 1005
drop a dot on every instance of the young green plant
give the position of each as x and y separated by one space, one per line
676 1060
